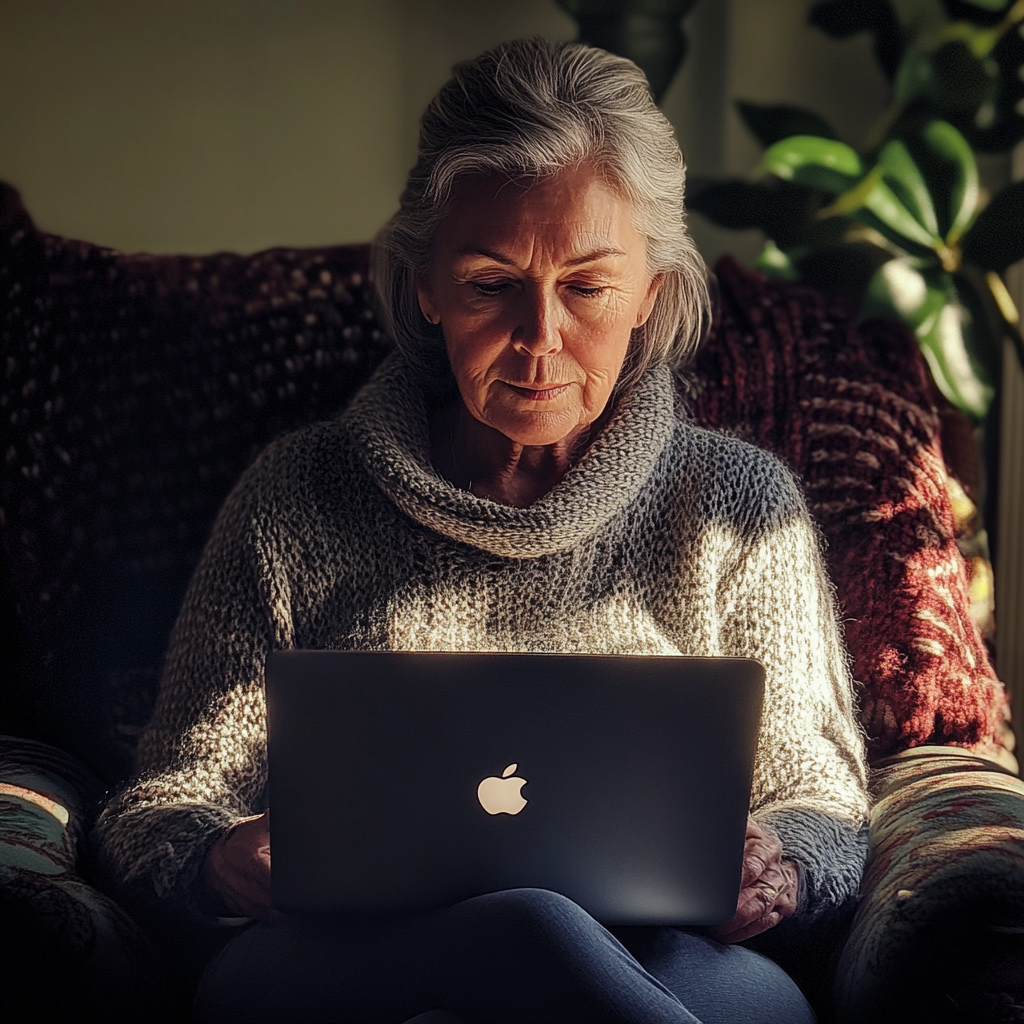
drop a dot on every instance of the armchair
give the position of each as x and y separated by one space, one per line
136 390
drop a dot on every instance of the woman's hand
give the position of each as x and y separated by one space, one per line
237 870
769 889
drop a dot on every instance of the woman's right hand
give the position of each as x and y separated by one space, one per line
237 870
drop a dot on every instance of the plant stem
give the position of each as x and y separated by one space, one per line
1004 303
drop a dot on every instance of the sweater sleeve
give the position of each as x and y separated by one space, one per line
202 759
810 779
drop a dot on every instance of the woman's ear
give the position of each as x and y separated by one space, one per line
425 294
647 306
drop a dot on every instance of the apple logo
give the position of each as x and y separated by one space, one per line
502 795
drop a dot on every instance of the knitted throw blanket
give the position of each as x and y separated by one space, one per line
664 539
850 410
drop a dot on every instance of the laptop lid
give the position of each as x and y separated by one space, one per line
401 782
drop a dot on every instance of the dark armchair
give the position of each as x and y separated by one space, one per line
137 388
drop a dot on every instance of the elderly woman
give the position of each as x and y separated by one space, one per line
519 476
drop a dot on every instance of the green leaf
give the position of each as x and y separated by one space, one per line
951 148
886 208
999 125
921 17
775 263
985 336
947 331
843 267
947 350
811 160
989 5
783 210
899 291
913 77
904 177
844 18
947 164
950 78
996 239
771 124
854 199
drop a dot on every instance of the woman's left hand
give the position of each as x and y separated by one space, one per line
769 889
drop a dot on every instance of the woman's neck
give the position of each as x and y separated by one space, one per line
477 458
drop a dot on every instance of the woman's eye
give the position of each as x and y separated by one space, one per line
587 293
483 288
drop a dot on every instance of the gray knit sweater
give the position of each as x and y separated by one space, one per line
664 539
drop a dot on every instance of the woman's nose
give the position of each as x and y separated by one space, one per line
538 333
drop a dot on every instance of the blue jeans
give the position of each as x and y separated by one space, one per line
515 957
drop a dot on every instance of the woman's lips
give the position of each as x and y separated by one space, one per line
539 393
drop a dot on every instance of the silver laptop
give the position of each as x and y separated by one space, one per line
401 782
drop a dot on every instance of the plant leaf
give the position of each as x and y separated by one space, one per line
882 202
844 267
844 18
999 126
773 262
772 123
906 181
952 149
826 164
988 5
783 210
946 330
996 239
854 199
947 350
985 331
899 291
949 78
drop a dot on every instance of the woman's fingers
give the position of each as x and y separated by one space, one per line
759 899
769 892
237 869
760 849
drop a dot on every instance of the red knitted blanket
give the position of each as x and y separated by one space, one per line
850 409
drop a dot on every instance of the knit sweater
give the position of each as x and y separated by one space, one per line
663 539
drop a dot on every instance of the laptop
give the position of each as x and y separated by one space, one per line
402 782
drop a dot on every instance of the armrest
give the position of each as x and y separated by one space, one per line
937 935
68 950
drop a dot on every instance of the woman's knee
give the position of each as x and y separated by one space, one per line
531 909
718 983
535 918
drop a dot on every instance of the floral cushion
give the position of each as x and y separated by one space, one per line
939 934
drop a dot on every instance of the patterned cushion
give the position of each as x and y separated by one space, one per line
65 948
941 925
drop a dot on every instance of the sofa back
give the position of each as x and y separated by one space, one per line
137 388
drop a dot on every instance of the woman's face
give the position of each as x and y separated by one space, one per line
537 287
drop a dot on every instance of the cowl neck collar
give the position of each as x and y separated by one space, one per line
389 422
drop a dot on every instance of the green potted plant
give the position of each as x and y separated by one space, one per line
902 223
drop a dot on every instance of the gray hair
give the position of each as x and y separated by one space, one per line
531 108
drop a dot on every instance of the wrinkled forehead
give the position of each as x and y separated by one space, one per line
573 207
511 187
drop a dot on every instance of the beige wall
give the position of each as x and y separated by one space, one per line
195 125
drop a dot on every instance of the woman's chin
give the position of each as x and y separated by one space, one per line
539 429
